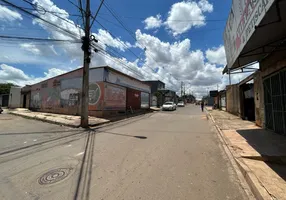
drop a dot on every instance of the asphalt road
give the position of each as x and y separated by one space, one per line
167 155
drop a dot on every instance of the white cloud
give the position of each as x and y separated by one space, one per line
216 55
31 48
205 6
9 15
10 74
173 62
108 40
187 14
153 22
177 62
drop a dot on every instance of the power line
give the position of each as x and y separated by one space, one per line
52 12
94 17
37 39
36 16
122 64
117 18
81 11
128 30
39 8
118 40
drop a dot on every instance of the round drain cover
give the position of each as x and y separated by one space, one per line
54 176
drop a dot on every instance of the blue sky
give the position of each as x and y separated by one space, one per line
184 43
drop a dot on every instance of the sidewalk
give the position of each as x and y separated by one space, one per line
260 154
66 120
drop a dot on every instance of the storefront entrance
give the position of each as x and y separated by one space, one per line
275 102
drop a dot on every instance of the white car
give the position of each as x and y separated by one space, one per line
169 106
181 104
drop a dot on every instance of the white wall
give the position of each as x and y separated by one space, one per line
15 97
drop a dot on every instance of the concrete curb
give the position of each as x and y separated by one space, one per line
44 120
54 122
99 125
245 175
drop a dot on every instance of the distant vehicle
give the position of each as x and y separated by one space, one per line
1 110
169 106
181 104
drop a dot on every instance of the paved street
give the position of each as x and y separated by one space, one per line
166 155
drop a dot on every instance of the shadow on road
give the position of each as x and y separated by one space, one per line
119 134
40 132
83 182
84 179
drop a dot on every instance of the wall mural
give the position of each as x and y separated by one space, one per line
70 97
114 97
63 94
36 100
94 93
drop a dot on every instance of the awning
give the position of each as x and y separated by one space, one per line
247 79
255 34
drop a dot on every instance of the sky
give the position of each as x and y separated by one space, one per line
167 40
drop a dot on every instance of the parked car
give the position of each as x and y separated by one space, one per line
181 104
1 110
169 106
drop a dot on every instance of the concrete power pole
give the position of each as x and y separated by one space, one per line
182 83
86 62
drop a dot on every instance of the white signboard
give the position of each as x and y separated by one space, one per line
243 17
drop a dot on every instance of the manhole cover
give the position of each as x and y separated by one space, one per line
54 176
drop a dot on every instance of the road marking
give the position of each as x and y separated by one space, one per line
35 140
79 153
69 145
25 142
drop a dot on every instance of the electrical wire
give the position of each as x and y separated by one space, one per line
37 39
117 18
128 30
52 12
39 8
94 17
122 63
81 11
36 16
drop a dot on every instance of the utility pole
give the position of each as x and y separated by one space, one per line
86 62
229 77
182 88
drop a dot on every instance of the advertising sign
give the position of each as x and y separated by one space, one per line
114 97
243 17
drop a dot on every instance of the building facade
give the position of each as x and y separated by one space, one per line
110 93
4 100
156 97
14 97
259 36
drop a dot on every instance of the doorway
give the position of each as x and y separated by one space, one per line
275 102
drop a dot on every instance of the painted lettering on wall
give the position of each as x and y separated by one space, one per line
244 16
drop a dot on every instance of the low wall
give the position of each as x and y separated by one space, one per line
233 99
258 99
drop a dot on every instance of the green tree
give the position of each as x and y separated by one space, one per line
5 87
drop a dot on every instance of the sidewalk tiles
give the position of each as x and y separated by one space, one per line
259 152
